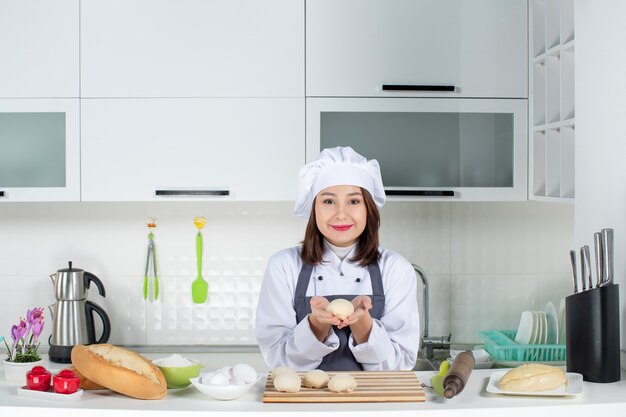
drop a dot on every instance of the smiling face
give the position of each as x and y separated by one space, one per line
340 214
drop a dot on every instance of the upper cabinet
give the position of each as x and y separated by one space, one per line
39 150
39 48
417 48
552 115
213 148
192 48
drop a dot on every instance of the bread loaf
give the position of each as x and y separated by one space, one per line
85 383
120 370
532 377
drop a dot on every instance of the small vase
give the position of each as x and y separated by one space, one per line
16 371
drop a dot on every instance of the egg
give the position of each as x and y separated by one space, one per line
244 372
219 379
227 371
205 378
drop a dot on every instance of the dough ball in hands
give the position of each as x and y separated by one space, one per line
315 379
532 377
340 308
287 382
342 383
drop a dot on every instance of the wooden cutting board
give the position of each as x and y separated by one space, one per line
383 386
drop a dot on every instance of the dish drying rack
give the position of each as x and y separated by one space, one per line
501 346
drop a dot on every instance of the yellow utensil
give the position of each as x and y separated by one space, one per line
437 380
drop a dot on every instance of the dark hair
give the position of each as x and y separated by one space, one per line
367 250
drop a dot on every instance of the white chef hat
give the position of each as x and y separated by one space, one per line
337 166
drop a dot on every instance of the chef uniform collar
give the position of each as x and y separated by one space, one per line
337 166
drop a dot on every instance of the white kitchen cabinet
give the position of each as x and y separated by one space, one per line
39 48
479 47
192 48
39 150
552 114
163 149
433 149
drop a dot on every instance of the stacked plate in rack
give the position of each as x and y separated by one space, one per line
538 327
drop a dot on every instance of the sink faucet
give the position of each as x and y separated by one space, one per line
429 343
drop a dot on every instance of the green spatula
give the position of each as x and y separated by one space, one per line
199 287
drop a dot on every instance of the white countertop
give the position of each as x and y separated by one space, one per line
607 399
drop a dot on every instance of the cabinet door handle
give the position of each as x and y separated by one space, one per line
420 193
418 87
173 193
1 193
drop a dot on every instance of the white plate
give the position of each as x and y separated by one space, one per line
515 364
553 324
477 365
48 395
543 328
536 329
574 386
562 332
480 355
525 328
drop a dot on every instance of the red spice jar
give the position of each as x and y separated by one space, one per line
38 379
65 382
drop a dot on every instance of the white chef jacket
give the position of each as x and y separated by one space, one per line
394 339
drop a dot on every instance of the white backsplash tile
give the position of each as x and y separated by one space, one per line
478 256
495 302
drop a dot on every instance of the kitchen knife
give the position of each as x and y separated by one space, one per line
607 266
588 266
597 245
583 268
572 256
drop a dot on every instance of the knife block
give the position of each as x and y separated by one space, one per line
592 334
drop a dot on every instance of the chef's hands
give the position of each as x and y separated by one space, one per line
321 320
360 321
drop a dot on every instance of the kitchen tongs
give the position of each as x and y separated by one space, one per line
151 222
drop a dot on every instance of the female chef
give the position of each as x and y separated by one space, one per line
340 257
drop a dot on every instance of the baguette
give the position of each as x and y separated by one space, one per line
85 383
532 377
121 370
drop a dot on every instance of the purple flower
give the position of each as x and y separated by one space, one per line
37 329
18 331
24 343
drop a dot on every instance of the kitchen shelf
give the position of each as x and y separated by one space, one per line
551 100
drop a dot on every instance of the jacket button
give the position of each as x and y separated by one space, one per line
358 280
320 278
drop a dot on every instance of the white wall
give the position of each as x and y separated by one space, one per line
486 261
600 130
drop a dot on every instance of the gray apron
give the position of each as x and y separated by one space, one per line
341 359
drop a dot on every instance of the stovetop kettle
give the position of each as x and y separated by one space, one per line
73 315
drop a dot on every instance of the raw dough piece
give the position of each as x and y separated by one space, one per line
342 383
532 377
315 379
287 382
340 308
